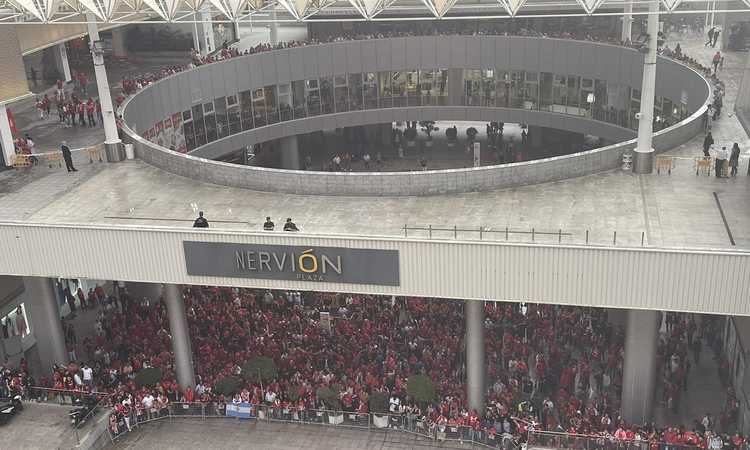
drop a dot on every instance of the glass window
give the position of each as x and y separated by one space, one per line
341 93
545 92
285 102
189 131
199 125
186 115
574 92
222 122
370 87
472 87
312 97
559 94
412 88
211 131
355 91
398 80
246 110
16 327
208 107
502 88
259 108
326 95
231 100
386 93
531 90
272 106
298 99
516 90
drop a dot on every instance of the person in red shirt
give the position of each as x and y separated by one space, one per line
81 109
90 110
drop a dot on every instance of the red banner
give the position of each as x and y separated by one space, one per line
12 123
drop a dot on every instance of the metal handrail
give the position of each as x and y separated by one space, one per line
507 231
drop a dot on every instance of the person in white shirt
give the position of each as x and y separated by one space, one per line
88 376
721 158
148 403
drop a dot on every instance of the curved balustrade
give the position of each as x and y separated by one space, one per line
217 109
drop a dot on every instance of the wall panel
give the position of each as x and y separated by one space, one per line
572 275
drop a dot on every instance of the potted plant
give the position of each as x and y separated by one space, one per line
330 398
148 377
451 136
410 134
379 408
428 126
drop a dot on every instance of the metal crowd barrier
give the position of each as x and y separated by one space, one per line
406 423
565 441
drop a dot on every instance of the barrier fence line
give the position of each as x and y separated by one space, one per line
121 424
567 441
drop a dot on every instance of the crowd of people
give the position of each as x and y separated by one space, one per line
548 367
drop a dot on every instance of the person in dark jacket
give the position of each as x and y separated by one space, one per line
708 141
734 159
201 221
68 157
290 226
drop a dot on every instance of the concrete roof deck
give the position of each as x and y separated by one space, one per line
671 211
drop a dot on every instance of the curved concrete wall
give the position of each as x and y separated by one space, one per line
586 59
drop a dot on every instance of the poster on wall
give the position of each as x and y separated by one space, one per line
158 133
179 134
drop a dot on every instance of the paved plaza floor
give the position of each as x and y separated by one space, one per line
37 427
219 434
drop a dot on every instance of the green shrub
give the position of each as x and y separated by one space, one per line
148 377
421 388
379 403
260 368
330 398
227 386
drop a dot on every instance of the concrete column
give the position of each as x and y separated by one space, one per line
643 162
639 374
273 29
44 315
627 22
289 153
119 50
111 139
475 371
6 137
455 87
196 36
61 54
178 328
208 31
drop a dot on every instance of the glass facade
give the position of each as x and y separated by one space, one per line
491 87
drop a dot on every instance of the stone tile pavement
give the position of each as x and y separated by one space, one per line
38 427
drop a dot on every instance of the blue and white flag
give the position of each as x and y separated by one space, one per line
240 410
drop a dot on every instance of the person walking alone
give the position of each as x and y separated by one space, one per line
68 157
734 159
708 141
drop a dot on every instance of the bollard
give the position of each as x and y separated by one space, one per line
532 234
587 236
506 233
614 238
480 233
643 235
455 232
559 235
430 230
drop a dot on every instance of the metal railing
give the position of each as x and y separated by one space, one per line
567 441
403 423
534 235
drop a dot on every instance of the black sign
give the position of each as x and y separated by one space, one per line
288 262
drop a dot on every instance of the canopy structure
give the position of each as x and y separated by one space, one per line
137 11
